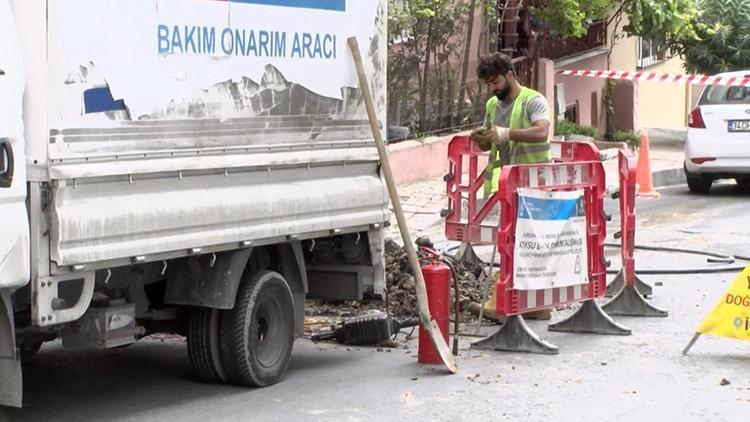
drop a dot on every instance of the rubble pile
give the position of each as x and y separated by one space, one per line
402 286
401 291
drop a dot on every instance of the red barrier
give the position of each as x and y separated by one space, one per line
462 153
588 176
466 228
515 335
628 290
570 151
437 281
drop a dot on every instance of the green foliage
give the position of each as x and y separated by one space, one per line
572 17
633 139
719 37
424 62
711 35
648 18
660 19
567 128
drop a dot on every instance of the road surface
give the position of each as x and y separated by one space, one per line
612 378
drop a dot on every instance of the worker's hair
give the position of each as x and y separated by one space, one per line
495 64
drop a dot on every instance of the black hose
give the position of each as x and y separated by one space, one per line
683 272
456 304
681 250
718 256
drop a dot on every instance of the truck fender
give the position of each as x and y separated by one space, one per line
209 281
11 387
292 267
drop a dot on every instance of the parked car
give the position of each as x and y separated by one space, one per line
718 136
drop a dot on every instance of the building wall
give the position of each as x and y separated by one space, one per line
657 105
587 92
663 105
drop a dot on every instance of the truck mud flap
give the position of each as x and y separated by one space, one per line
11 384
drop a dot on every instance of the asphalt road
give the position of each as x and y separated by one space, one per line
612 378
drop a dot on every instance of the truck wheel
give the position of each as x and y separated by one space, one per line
258 334
203 345
29 350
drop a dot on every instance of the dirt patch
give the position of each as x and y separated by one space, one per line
401 288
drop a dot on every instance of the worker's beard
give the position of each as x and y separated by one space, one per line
502 94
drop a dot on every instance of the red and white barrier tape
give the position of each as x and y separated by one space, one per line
695 79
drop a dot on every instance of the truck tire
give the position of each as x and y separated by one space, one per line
258 333
203 345
29 350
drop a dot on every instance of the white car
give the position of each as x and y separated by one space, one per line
718 136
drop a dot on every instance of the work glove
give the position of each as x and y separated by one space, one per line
485 137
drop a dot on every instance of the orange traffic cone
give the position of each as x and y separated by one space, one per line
643 171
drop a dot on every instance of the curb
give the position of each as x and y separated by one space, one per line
668 177
674 137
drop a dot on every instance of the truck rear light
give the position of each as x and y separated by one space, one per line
701 160
695 120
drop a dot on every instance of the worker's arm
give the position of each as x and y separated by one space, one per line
538 132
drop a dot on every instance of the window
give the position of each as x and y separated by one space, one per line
571 113
6 163
650 52
725 95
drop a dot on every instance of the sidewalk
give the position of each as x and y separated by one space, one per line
423 200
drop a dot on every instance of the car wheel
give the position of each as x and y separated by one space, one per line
698 183
743 182
258 333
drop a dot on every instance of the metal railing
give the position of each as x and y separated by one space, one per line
558 48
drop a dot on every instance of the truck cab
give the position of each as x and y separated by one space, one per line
14 223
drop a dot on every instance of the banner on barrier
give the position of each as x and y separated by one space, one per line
550 249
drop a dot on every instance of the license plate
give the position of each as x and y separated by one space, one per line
739 125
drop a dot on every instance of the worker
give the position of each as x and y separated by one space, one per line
516 131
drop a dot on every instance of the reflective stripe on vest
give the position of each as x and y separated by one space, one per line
518 152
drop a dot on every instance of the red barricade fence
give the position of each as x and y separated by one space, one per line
629 290
576 166
587 176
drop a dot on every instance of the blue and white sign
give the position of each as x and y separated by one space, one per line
151 56
550 249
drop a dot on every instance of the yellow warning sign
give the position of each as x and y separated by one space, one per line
731 316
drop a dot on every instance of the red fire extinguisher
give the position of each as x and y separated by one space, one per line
437 280
437 274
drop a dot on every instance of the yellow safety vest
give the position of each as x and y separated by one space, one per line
519 152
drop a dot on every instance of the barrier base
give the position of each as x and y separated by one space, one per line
619 282
590 318
629 302
516 336
467 255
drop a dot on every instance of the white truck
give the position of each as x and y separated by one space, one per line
189 166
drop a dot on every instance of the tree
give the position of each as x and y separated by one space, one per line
647 18
428 60
424 61
718 39
664 20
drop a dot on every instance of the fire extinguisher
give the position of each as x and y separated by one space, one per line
438 273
